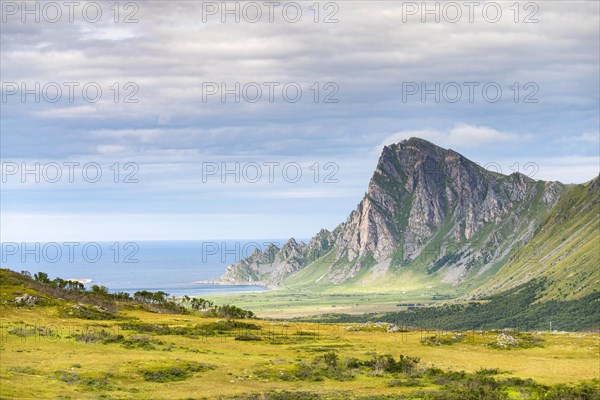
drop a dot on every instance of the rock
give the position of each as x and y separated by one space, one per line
27 300
504 341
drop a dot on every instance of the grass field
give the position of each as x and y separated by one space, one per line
62 343
289 304
44 356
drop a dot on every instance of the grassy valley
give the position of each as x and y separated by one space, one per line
68 343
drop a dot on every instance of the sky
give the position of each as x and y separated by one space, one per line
162 120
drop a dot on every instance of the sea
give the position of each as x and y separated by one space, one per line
174 267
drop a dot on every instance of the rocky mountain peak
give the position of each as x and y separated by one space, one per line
291 249
425 202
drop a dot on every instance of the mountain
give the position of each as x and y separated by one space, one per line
432 219
565 249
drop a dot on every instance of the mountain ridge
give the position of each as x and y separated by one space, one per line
430 215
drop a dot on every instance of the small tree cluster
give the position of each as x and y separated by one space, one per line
146 296
200 304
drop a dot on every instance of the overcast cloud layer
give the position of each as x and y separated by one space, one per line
371 61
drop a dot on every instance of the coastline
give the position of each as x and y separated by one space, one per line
219 282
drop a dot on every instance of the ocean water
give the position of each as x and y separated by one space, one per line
174 267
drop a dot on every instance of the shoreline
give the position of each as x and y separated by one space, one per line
218 282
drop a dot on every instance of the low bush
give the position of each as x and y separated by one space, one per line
405 383
179 372
248 337
510 339
86 381
386 363
448 339
87 312
95 336
25 330
24 370
140 327
141 342
208 329
581 391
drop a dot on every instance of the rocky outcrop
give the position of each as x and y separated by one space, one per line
267 267
27 300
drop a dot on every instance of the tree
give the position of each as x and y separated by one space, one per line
143 296
229 311
74 285
101 290
61 283
122 296
41 277
151 297
160 297
199 303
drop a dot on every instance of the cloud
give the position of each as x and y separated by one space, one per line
369 53
110 148
567 169
460 136
593 138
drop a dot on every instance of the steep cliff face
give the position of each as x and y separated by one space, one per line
423 198
428 210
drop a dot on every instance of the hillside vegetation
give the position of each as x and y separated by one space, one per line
73 344
517 308
565 249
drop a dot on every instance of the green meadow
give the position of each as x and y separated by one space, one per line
288 304
100 348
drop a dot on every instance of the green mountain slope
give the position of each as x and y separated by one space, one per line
565 249
517 308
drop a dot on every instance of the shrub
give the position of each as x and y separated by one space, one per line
582 391
87 312
405 383
513 339
353 363
284 395
178 372
438 340
166 375
471 388
331 359
229 311
25 330
94 336
248 337
140 327
24 370
387 363
141 342
488 371
227 325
